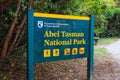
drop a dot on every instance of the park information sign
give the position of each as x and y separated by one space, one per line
53 37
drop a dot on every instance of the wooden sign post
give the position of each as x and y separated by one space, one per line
53 37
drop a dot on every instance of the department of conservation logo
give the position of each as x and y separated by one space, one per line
40 24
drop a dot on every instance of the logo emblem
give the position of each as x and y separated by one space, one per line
40 24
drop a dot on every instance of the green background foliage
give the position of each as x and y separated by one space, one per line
107 14
104 11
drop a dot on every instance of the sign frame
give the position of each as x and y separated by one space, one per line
30 55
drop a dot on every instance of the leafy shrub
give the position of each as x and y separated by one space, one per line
100 24
113 29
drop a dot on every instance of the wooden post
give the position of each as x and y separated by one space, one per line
30 60
90 59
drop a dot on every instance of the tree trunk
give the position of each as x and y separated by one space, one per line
9 34
17 34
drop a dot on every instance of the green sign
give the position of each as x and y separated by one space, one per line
60 38
53 37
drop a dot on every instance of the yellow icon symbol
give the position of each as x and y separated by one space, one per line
67 51
47 53
56 52
74 51
82 50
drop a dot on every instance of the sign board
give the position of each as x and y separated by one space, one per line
53 37
60 38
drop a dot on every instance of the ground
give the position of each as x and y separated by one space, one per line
114 50
106 67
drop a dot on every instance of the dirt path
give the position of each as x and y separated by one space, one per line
114 50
